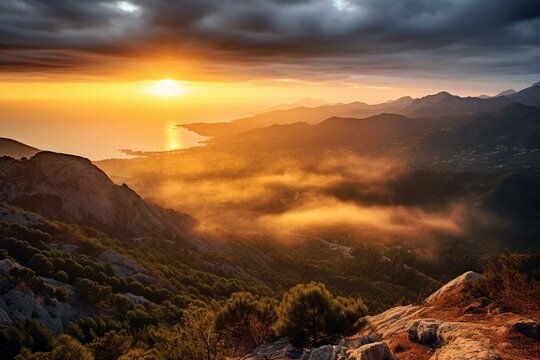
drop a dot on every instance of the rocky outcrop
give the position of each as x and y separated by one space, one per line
452 287
464 341
440 329
72 189
122 265
395 320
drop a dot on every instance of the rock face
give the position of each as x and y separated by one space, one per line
72 189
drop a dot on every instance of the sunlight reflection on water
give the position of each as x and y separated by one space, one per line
174 137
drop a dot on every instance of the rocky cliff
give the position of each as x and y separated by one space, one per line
72 189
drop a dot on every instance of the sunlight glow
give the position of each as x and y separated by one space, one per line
167 88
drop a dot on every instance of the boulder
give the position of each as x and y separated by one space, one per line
423 331
374 351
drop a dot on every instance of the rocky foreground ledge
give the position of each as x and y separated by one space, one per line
446 326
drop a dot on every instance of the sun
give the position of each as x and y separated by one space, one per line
166 88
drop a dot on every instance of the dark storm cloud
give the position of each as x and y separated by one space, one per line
282 38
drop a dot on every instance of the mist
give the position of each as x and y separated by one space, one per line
343 196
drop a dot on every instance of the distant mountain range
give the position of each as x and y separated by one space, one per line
438 105
307 102
304 114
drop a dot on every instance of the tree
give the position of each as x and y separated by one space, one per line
61 293
246 320
309 312
41 264
195 339
512 279
67 348
92 291
122 304
142 354
112 345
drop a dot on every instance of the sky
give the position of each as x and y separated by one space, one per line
229 58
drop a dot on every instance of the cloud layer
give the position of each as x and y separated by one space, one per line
313 39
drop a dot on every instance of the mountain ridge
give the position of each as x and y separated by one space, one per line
71 188
16 149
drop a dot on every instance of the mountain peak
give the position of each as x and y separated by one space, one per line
444 94
506 92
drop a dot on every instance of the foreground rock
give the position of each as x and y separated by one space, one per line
447 326
424 331
346 350
464 341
